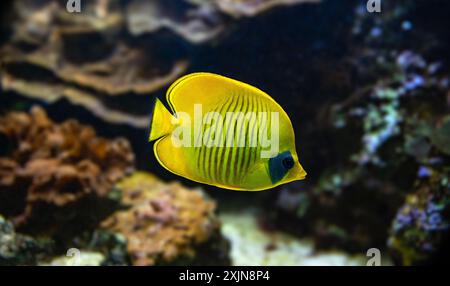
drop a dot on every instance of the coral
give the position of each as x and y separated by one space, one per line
195 21
113 57
342 211
166 223
381 122
86 258
41 18
112 246
55 176
251 8
44 52
126 70
390 133
17 249
368 96
422 223
251 245
52 93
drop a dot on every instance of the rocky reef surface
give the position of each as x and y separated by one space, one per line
62 185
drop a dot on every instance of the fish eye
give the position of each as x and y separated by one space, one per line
280 165
288 162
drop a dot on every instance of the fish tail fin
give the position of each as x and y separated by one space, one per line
160 122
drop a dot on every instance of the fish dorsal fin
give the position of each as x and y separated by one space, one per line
206 88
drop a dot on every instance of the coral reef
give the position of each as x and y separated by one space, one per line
56 177
422 223
367 93
126 70
195 21
112 246
167 224
60 181
250 8
52 93
389 135
126 52
44 54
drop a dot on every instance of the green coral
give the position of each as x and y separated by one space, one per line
18 249
380 123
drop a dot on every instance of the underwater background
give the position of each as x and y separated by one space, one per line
368 95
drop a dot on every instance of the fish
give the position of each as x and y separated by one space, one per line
222 132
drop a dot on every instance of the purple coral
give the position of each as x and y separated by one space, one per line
434 221
408 59
413 82
427 219
423 172
401 221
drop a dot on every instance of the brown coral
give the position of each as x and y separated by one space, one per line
40 19
57 174
85 59
113 56
250 8
51 93
195 21
165 222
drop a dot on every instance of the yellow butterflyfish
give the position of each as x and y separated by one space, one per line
226 133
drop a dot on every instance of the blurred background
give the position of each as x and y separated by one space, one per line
368 94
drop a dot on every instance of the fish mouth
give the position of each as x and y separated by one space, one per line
297 174
301 176
301 173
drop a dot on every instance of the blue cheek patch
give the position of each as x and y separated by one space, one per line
277 168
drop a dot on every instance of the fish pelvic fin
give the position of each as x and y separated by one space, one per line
160 122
